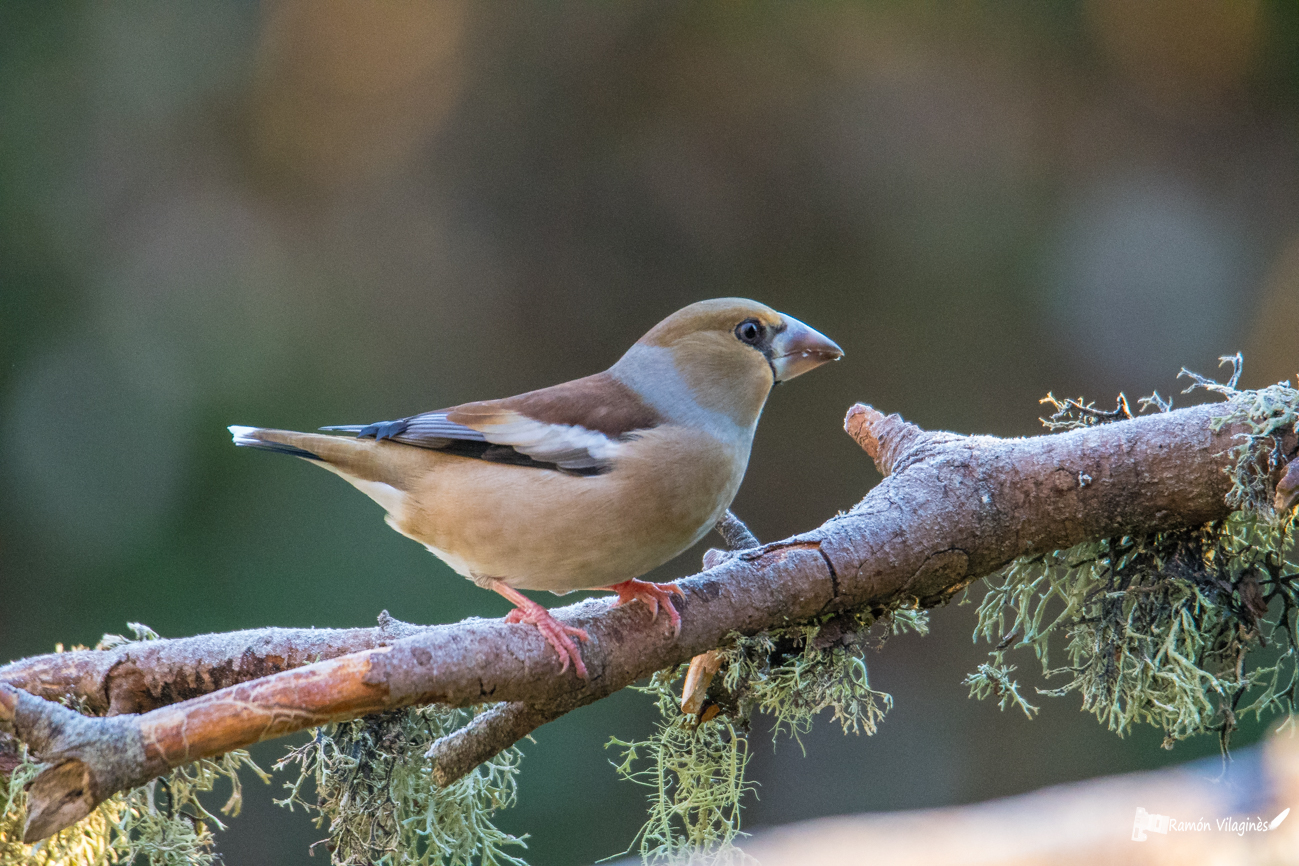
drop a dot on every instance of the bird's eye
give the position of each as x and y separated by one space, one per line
749 331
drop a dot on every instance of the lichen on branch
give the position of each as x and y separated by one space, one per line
163 823
1165 627
694 763
381 804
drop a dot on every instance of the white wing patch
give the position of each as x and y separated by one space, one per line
568 446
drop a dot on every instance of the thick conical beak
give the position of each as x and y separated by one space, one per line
798 348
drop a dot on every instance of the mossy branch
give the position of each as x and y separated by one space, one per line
951 509
1162 627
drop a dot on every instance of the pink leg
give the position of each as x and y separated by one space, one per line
554 631
653 594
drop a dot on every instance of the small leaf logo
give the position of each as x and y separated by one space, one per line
1276 822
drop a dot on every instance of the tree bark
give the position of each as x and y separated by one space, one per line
951 509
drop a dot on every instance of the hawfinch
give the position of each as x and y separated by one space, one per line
584 485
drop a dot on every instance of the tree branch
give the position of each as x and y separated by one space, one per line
951 509
139 676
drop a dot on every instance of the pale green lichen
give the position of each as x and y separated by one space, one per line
790 677
88 842
907 619
139 629
377 796
993 680
696 771
1268 413
162 823
1165 628
696 776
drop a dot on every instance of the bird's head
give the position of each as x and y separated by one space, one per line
729 352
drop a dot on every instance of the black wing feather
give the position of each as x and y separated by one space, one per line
429 430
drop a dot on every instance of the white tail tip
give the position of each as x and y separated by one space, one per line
243 435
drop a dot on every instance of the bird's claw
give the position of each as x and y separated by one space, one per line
556 634
653 594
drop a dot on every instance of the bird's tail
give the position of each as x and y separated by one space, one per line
357 460
279 441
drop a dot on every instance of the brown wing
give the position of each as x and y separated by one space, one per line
575 427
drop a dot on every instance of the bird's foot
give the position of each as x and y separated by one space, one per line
653 594
557 634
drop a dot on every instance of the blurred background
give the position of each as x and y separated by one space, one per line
303 213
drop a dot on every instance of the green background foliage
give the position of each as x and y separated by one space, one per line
296 214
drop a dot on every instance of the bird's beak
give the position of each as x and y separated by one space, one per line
798 348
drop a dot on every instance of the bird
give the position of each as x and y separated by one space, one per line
584 485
